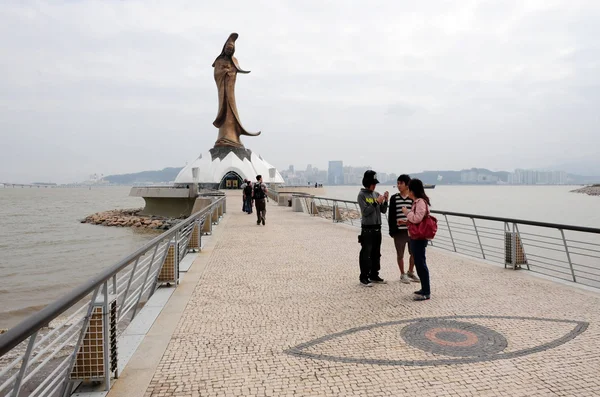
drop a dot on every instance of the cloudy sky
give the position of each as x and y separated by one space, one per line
124 86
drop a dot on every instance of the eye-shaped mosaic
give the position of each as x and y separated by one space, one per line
442 340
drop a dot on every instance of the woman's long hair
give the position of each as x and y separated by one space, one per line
417 189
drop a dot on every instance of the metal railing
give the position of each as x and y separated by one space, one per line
38 356
566 252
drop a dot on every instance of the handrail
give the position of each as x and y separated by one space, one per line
520 221
24 329
339 201
494 218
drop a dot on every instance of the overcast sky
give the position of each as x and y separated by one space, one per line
125 86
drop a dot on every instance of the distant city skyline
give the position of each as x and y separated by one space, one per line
340 174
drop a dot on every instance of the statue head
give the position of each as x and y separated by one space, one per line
229 47
228 51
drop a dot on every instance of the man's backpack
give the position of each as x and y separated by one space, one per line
259 193
248 191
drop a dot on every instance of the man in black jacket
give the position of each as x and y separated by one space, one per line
259 193
399 232
371 204
248 197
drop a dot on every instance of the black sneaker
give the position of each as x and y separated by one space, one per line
365 283
421 297
377 280
258 222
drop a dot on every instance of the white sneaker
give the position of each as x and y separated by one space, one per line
413 277
404 279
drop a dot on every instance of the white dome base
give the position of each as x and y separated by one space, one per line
220 161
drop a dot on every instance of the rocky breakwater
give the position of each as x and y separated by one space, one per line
130 218
592 190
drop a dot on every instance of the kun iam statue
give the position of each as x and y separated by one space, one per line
228 120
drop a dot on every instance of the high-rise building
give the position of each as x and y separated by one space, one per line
336 173
291 169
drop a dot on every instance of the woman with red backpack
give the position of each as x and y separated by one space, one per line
421 228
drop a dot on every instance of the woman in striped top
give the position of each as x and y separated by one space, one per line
398 229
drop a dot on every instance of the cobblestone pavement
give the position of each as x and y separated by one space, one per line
279 312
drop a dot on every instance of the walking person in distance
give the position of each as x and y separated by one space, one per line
259 193
399 230
248 197
418 212
371 204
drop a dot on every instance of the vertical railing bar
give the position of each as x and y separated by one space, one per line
84 327
120 308
514 246
562 233
115 284
333 208
106 323
478 239
450 232
506 230
145 280
24 365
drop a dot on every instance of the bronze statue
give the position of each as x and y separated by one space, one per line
228 120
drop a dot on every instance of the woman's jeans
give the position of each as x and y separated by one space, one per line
418 250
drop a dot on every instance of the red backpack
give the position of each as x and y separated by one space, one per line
424 230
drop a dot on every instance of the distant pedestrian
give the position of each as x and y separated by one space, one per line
399 230
372 204
244 208
419 210
259 192
247 195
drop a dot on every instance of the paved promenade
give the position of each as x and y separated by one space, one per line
277 310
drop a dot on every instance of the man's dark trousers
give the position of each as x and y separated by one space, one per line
370 253
261 209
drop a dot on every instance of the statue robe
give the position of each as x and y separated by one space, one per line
228 120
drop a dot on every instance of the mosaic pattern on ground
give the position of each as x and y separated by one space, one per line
433 341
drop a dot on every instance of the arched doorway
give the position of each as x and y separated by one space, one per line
231 180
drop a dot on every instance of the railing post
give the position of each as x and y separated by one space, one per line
106 326
129 286
24 365
562 233
478 239
144 283
450 232
347 209
86 321
214 214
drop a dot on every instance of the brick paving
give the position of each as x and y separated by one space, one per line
279 312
